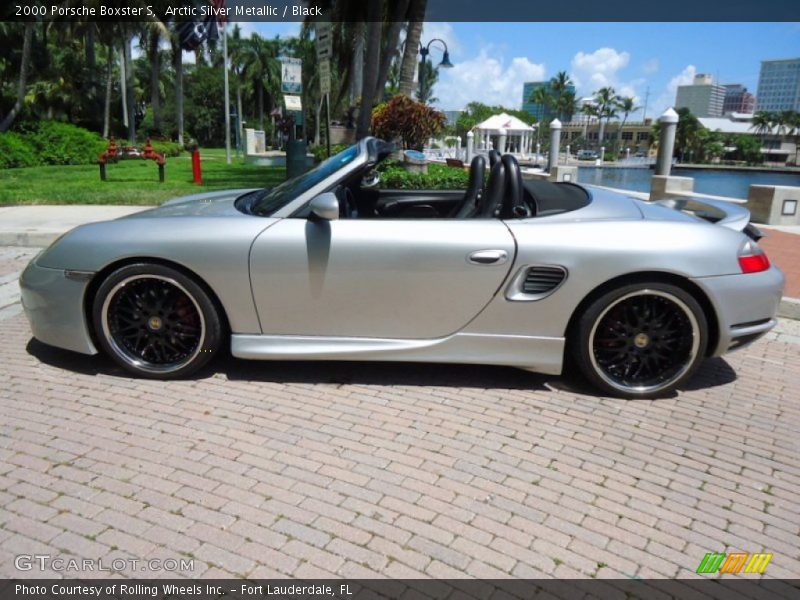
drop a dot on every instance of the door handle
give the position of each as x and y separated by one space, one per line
488 257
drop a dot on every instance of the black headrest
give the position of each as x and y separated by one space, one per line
477 173
496 191
513 204
494 157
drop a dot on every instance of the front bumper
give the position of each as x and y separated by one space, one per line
745 305
53 304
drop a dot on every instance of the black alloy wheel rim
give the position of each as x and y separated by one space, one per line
154 323
644 341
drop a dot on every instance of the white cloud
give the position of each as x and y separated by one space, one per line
667 98
597 69
486 78
651 66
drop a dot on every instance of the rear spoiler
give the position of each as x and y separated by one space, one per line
726 214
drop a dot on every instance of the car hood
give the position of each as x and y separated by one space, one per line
208 204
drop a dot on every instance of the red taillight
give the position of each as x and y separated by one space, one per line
752 259
754 264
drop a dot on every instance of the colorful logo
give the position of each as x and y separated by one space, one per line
719 562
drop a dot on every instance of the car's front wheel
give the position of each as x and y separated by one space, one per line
641 340
156 322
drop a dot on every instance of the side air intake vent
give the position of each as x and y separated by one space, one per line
536 282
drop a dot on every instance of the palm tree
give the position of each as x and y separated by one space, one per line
606 100
559 88
262 70
236 56
429 75
627 105
390 44
567 105
408 66
177 65
22 82
371 66
542 96
763 124
589 110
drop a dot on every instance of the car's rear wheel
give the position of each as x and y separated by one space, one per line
156 322
641 340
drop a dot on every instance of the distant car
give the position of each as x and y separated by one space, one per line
640 155
329 266
587 155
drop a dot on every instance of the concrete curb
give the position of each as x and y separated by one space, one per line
789 308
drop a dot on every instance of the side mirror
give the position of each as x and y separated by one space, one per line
325 206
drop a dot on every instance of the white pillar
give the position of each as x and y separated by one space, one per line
602 154
470 143
666 141
555 142
501 142
566 156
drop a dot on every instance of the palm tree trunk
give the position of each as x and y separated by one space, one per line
23 78
601 133
374 29
390 45
357 62
109 88
155 72
260 105
177 60
409 65
129 95
239 108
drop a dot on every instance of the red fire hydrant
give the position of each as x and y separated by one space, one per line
196 173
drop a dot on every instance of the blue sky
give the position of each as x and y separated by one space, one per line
494 59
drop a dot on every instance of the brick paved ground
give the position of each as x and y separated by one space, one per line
783 249
302 469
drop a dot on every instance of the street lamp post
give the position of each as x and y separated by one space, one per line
424 51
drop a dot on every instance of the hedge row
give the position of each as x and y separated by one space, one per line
438 177
56 143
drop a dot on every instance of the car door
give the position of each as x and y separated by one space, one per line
377 278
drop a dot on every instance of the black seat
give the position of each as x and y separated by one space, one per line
494 157
495 192
470 206
514 205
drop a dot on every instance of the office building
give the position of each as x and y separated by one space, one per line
738 100
539 111
702 97
779 85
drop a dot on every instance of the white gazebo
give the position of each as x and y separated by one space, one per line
513 134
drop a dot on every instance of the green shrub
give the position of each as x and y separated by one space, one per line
167 148
405 119
15 151
57 143
321 152
439 177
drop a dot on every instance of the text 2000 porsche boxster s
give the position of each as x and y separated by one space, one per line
330 266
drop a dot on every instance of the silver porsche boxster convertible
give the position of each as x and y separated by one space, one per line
331 266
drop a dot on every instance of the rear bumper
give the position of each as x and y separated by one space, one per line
745 305
53 304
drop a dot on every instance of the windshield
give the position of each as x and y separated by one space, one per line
273 199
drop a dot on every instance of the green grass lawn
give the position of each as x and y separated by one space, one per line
131 181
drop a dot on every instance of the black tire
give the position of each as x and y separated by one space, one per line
156 322
641 340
